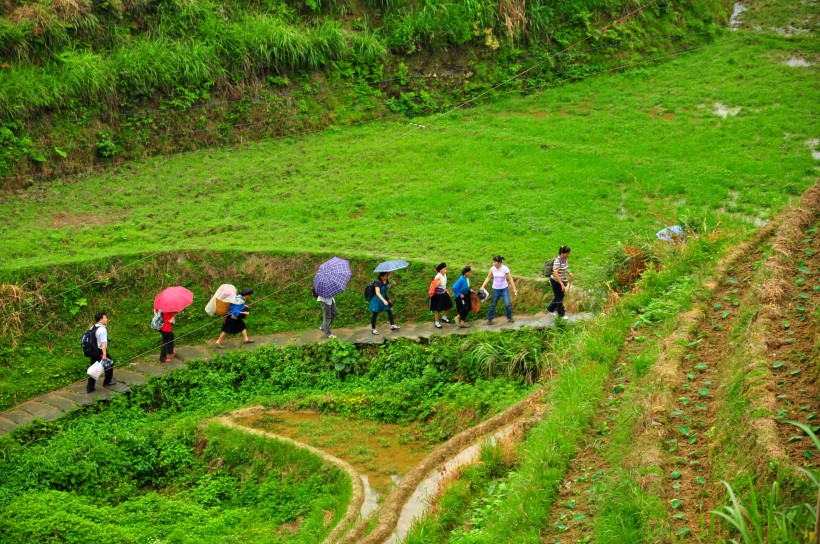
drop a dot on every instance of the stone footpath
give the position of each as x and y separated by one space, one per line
52 405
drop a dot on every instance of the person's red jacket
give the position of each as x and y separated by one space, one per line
166 318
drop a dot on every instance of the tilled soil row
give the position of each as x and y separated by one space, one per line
687 484
786 335
576 504
672 444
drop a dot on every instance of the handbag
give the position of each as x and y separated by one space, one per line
433 285
107 363
475 302
95 370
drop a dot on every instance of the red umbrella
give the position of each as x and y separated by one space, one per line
173 299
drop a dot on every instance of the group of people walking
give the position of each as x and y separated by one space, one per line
498 276
95 341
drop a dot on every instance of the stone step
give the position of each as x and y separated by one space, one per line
59 401
193 353
18 417
99 393
6 425
41 410
130 377
150 369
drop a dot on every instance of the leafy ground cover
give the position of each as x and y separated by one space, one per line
90 83
497 173
368 190
145 467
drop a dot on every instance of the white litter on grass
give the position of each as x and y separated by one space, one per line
796 62
814 144
790 31
724 111
737 16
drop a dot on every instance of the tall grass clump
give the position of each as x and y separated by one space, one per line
148 65
271 44
367 48
14 40
441 24
770 517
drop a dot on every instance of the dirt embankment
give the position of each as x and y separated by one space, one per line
785 336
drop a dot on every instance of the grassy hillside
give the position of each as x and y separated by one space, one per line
90 83
592 165
585 164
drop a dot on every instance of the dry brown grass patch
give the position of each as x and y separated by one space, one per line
71 10
13 300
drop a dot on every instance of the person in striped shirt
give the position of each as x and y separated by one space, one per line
560 281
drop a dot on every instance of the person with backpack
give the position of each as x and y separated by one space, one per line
502 280
559 281
461 292
439 299
167 351
95 347
379 301
235 320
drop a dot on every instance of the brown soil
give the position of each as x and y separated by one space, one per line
66 219
792 345
689 489
576 503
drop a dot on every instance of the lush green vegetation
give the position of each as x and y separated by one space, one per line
491 166
146 467
89 82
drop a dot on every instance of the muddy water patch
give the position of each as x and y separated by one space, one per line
736 20
722 110
797 62
381 452
422 498
814 145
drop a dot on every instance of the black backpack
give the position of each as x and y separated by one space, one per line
89 342
548 267
370 291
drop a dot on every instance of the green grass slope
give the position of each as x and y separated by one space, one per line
585 165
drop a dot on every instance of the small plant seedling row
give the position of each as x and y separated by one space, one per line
689 489
793 351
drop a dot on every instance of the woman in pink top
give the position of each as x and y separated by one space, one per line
502 280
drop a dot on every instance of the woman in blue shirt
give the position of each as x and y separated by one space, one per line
380 302
461 290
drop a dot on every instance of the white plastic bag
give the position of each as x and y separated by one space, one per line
210 308
95 370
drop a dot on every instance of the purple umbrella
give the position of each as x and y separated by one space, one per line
332 277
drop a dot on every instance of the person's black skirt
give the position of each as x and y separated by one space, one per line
440 302
233 326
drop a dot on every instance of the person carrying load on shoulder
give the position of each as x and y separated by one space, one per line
461 291
235 320
559 281
439 299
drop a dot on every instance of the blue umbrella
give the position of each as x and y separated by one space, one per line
332 277
391 266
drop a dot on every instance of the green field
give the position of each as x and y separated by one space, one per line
587 165
719 138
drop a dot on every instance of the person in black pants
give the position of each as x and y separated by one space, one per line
102 353
559 281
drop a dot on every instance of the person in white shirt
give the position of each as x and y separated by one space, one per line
502 281
440 301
